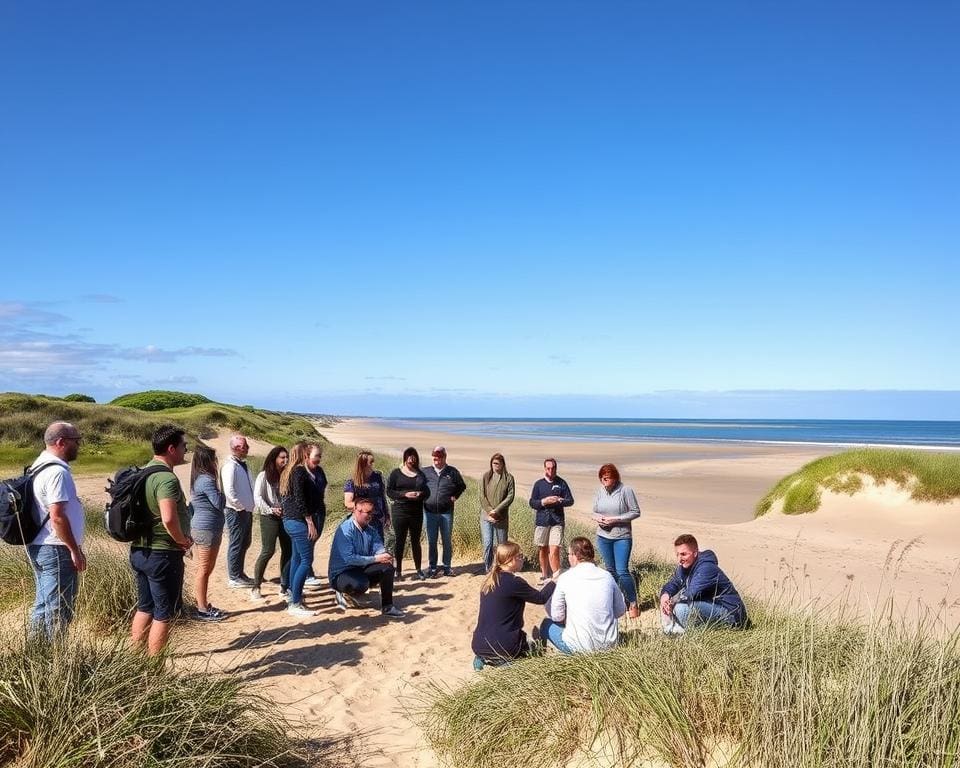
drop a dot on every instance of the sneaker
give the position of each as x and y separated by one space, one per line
421 575
239 584
392 612
312 581
478 664
216 611
299 609
255 594
344 601
432 573
285 595
447 571
209 615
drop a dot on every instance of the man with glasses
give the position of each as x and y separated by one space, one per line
157 558
238 511
56 553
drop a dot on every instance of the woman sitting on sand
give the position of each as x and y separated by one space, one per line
499 635
407 487
367 483
302 485
615 507
496 495
266 497
206 524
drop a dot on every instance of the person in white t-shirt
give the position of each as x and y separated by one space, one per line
585 606
56 552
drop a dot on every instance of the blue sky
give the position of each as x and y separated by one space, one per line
622 209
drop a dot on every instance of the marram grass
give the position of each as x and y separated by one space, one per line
929 475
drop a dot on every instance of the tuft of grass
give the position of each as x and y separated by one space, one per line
794 690
930 476
87 703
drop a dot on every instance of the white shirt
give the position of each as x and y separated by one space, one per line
237 488
55 485
590 602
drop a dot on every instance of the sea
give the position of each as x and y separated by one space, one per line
829 432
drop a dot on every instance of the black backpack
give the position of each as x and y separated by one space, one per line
17 523
127 516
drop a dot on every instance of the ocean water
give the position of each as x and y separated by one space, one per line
927 434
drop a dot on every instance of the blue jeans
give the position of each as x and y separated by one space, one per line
301 558
490 535
439 523
56 582
688 615
616 556
240 526
552 631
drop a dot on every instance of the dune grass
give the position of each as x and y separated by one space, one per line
92 703
796 690
929 475
117 436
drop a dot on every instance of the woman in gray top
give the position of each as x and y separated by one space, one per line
615 507
206 525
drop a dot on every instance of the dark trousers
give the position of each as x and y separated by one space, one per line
356 581
402 525
240 527
271 531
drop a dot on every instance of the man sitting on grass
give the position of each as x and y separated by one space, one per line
699 592
359 559
585 605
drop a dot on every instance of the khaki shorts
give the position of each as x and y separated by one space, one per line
548 535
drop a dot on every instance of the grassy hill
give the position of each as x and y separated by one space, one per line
115 435
930 476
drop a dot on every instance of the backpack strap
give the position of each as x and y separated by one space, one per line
142 486
33 474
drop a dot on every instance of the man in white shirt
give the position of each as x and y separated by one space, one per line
56 552
585 605
238 492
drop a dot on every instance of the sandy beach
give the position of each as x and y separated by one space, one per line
356 674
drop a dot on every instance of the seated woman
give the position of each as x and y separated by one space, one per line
499 635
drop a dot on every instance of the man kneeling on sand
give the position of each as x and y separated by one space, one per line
699 592
358 559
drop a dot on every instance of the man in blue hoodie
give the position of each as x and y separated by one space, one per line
699 592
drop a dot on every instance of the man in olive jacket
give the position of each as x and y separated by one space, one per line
446 485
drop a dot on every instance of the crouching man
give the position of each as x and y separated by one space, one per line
699 592
358 560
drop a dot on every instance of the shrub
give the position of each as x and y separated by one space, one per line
78 398
158 400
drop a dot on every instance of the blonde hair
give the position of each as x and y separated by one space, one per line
364 459
298 457
505 553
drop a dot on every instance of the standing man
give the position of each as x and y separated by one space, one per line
699 592
56 553
359 559
549 496
238 492
157 558
445 485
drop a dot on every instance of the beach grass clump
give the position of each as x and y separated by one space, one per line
796 689
929 476
107 593
89 703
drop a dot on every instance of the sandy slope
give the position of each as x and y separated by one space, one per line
350 673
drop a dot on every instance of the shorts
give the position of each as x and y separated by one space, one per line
159 577
205 538
544 535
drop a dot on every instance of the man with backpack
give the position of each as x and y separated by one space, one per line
157 556
56 552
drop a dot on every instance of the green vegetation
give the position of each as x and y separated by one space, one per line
158 400
78 398
794 690
119 436
86 703
930 476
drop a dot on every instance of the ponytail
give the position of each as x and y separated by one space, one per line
505 553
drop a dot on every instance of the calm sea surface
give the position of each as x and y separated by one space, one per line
944 434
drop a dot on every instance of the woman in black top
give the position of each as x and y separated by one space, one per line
407 487
302 485
499 635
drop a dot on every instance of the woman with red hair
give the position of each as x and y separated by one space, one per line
615 507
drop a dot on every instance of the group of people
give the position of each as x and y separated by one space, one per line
287 499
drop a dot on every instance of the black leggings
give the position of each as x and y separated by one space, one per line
402 525
271 529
